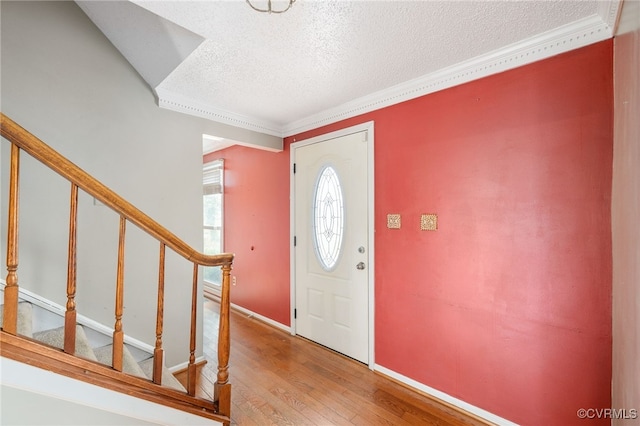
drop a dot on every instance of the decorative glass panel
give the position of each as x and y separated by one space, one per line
328 218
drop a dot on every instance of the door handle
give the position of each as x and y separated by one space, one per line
360 265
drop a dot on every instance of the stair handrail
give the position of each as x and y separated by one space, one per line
17 135
22 139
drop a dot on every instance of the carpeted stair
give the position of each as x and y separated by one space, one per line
103 354
55 337
25 322
129 364
168 379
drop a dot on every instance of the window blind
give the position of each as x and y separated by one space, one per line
212 175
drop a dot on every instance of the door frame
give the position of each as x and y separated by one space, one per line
369 128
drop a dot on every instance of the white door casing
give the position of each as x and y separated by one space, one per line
333 297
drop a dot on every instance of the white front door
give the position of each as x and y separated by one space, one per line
331 232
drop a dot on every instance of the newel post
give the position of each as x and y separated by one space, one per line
222 387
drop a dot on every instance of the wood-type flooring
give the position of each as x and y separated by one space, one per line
279 379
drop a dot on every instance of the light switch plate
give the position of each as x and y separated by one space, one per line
429 222
393 221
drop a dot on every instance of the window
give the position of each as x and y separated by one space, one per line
328 218
212 202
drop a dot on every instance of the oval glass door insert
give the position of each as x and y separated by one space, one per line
328 218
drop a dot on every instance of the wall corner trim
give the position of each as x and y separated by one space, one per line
443 397
609 12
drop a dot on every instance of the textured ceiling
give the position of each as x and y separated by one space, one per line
268 71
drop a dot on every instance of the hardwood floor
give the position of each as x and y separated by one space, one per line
279 379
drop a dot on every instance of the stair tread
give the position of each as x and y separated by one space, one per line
55 337
25 324
168 379
104 355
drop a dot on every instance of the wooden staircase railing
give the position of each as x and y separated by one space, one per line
220 407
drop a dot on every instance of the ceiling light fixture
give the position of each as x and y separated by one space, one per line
269 8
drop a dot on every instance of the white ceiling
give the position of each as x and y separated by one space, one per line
327 60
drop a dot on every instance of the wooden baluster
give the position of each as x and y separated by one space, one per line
118 335
10 321
21 140
191 369
70 314
158 353
222 387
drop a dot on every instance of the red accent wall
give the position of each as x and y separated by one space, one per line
256 221
507 306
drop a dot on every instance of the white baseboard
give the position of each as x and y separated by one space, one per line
448 399
184 365
57 309
80 319
252 314
211 291
262 318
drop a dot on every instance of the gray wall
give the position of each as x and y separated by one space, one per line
625 211
63 81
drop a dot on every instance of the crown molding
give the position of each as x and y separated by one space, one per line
592 29
609 12
180 103
560 40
